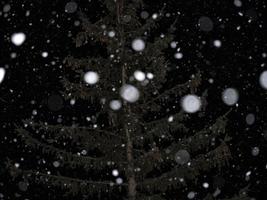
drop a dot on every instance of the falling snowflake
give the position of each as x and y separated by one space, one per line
263 80
71 7
91 77
129 93
191 103
139 75
230 96
138 45
217 43
115 104
2 74
18 38
182 157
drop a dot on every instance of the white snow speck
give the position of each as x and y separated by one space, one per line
255 151
230 96
91 77
205 185
119 181
72 102
250 119
71 7
155 16
138 45
217 43
139 75
144 14
263 80
182 157
18 38
191 103
173 44
205 24
170 119
129 93
149 75
191 195
56 163
44 54
115 172
2 74
115 104
178 55
6 8
111 34
237 3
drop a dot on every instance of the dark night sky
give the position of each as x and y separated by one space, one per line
32 80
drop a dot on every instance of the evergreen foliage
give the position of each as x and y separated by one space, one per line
142 148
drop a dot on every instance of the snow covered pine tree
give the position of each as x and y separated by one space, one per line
125 153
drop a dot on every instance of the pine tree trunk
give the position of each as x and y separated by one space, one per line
128 128
131 175
127 116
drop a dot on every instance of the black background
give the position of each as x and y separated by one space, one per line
238 63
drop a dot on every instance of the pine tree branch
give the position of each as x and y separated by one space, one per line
177 89
81 91
73 130
242 195
67 158
202 138
215 158
192 144
150 23
73 185
83 63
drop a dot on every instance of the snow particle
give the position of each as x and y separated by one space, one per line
211 80
56 164
191 195
34 112
23 186
237 3
205 24
217 43
178 55
205 185
91 77
250 119
255 151
44 54
155 16
119 181
111 34
129 93
138 45
191 103
115 104
2 74
115 172
139 75
18 38
230 96
71 7
182 157
149 75
72 102
173 44
170 119
144 15
6 8
263 80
